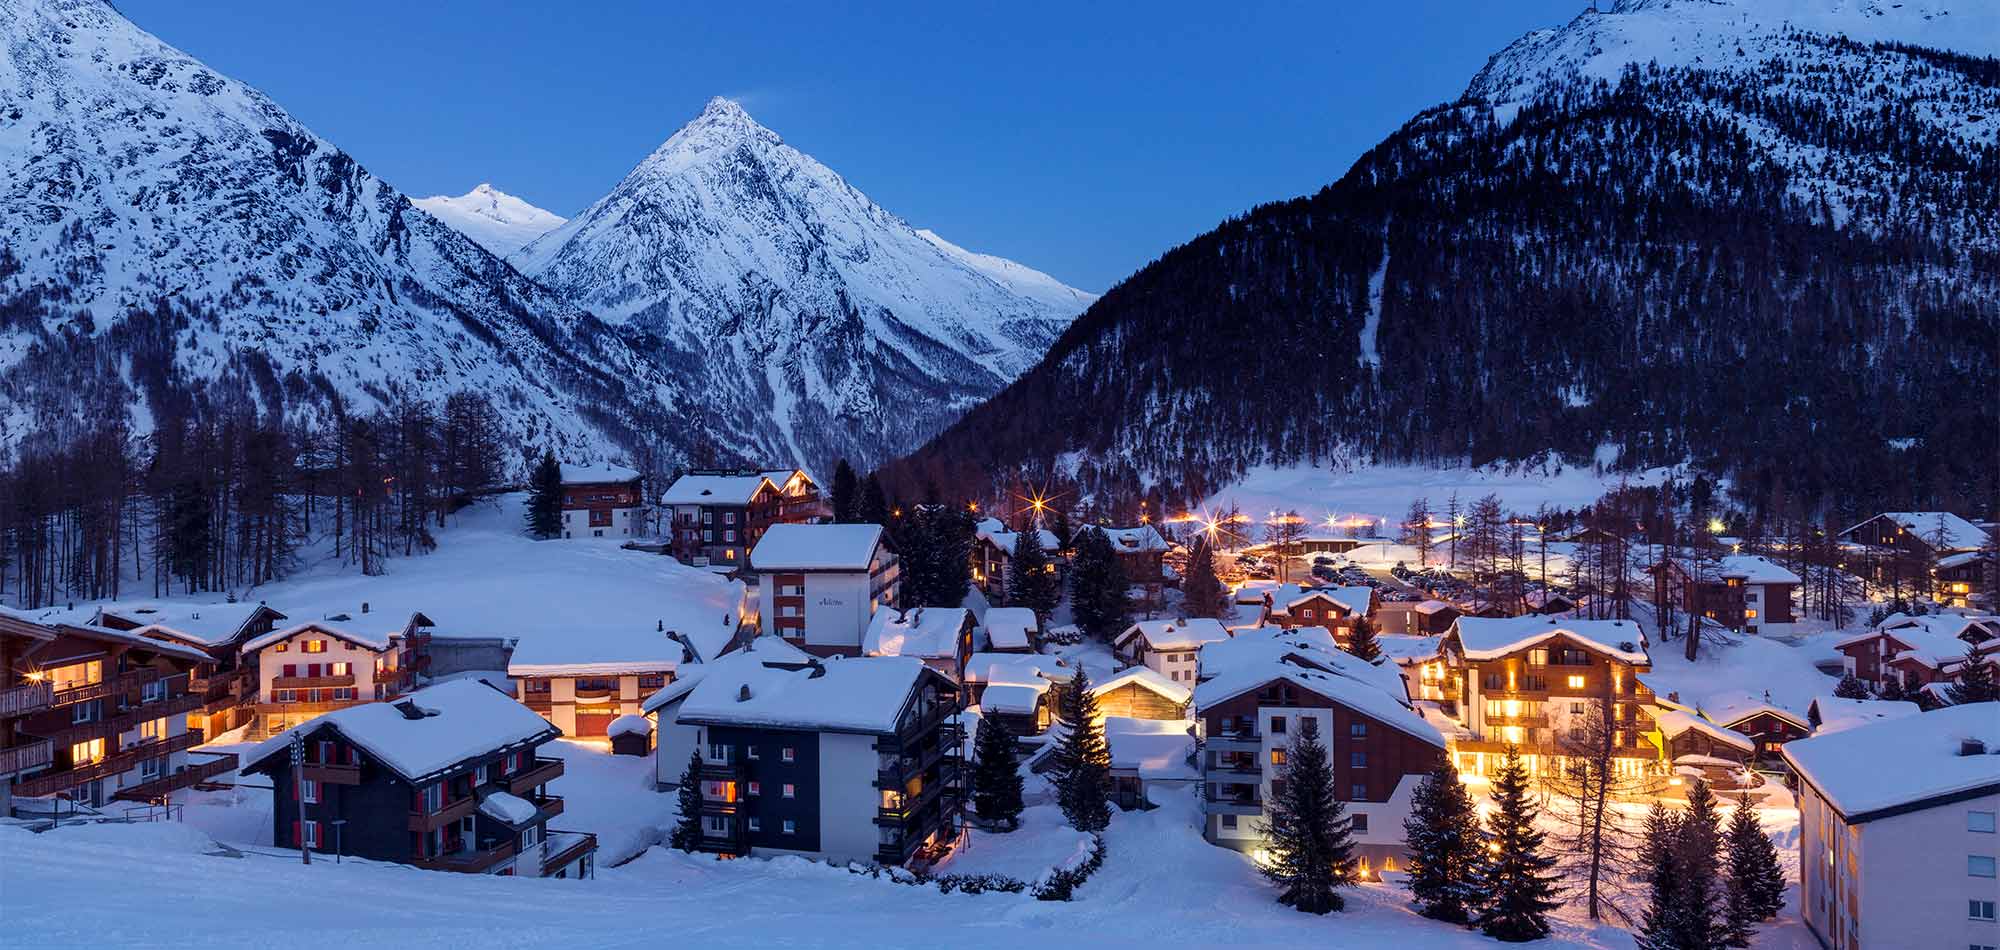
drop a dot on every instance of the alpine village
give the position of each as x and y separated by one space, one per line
1574 525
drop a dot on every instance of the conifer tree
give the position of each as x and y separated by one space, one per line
1894 690
545 497
1311 838
687 831
873 508
1699 889
1656 860
846 495
1097 587
1975 682
1362 643
996 776
1850 687
1082 761
1520 888
1443 836
1756 882
1032 581
1203 592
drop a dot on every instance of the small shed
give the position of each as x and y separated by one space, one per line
630 735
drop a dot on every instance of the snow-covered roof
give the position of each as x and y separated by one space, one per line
1018 669
1140 539
1155 748
759 650
1903 761
1010 627
714 489
856 694
1960 559
368 641
816 547
923 632
1408 648
460 719
1959 533
1433 606
1490 638
204 625
506 807
1730 712
1356 600
996 533
629 725
1754 569
1257 657
135 638
1933 639
1839 715
1012 698
1187 634
1255 591
597 474
1673 722
1145 678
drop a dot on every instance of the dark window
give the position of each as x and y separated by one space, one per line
1357 759
1277 725
1360 820
1358 792
1229 821
1358 730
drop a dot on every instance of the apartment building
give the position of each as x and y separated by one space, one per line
602 501
312 668
719 515
819 585
1744 592
1920 651
1169 647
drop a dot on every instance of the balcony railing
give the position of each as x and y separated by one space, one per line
472 861
543 772
99 690
192 775
21 758
24 699
912 805
312 682
126 720
124 761
558 848
329 773
421 821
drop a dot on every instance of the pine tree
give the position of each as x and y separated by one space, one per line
1443 837
1894 690
687 831
1097 587
545 498
846 495
1756 881
1311 838
1850 687
872 508
1203 592
1656 860
1975 682
996 775
1519 884
1362 643
1699 890
1032 581
1082 761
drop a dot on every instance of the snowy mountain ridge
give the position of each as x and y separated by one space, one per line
793 298
498 221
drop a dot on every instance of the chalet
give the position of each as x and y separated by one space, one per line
1963 578
1744 592
718 515
1335 608
819 585
1011 629
601 501
939 636
993 551
1904 546
1150 758
1897 829
1139 551
1695 746
1142 693
1427 618
1021 691
1919 651
1254 692
853 759
316 667
92 715
1526 681
584 673
1547 602
1168 647
445 778
227 682
1766 725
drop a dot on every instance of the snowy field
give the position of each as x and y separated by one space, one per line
1384 492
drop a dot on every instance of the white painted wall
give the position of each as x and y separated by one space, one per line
847 797
271 663
1908 875
837 609
624 523
674 744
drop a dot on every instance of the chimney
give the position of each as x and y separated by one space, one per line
364 606
1971 747
743 693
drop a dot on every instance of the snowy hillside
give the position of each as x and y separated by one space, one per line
498 221
169 236
796 303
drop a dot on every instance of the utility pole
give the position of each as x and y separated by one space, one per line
298 744
339 845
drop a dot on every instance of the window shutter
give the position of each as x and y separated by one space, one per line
296 831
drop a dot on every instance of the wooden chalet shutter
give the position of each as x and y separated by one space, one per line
297 830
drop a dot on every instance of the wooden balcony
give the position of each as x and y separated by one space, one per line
127 719
1235 742
115 684
312 682
561 847
24 699
541 773
548 807
305 709
476 861
192 775
451 812
52 782
332 774
21 758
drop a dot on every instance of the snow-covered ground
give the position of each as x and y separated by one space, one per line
1384 492
1043 843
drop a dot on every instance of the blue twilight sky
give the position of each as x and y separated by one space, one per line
1082 139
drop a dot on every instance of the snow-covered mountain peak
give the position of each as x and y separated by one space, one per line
500 222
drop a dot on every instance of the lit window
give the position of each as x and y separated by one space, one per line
1750 614
315 646
85 753
1576 682
1277 756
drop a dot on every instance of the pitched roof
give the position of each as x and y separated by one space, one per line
923 632
816 547
1185 634
1836 714
1354 599
376 642
1673 722
693 489
1755 569
758 651
1010 627
856 694
1155 748
1901 762
996 533
1959 533
1730 712
205 625
1017 669
1145 678
1307 659
1139 539
460 719
597 474
1433 606
1490 638
132 638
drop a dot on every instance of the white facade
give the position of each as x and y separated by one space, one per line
1910 880
625 523
848 797
1758 598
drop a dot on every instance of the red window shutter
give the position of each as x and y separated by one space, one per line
312 669
295 791
291 669
296 831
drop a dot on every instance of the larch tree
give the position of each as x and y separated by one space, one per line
1444 840
1082 759
1519 878
996 776
1594 843
1417 530
1311 838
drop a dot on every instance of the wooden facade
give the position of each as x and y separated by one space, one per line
1529 696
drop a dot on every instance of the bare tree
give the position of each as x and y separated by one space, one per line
1597 842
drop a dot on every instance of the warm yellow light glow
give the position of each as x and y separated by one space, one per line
1576 682
1715 526
1513 707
